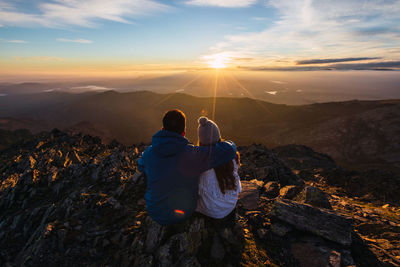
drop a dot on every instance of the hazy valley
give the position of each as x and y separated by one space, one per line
353 132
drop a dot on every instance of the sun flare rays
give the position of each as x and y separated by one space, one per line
217 61
215 83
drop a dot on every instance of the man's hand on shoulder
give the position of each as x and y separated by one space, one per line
228 144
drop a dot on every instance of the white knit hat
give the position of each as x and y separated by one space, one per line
208 131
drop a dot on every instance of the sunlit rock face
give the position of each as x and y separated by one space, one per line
72 200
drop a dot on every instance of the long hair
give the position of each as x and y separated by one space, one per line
225 173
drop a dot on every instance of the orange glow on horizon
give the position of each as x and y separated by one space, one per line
217 61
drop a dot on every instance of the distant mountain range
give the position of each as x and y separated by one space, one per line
359 133
294 88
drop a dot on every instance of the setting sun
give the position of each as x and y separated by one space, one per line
217 64
217 61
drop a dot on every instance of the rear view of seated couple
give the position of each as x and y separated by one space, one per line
183 178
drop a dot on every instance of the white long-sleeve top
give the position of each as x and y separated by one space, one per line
211 201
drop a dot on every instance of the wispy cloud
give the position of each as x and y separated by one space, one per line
91 88
279 82
61 13
321 29
333 60
271 92
386 65
383 65
80 41
40 58
259 18
222 3
13 41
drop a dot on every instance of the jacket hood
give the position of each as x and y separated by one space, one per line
168 143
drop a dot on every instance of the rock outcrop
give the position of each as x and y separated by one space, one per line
314 196
71 200
307 218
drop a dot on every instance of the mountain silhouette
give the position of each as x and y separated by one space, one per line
355 133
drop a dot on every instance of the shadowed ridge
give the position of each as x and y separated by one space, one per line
79 200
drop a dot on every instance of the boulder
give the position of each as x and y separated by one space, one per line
289 191
249 196
83 203
280 229
271 189
260 162
314 196
311 219
259 183
154 234
313 251
217 249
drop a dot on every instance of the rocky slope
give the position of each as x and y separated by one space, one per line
358 133
368 138
7 138
72 200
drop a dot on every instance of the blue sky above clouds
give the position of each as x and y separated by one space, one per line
245 33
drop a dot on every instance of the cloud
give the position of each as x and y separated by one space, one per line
91 88
222 3
333 60
40 58
271 92
382 65
13 41
320 29
80 41
387 65
242 58
61 13
259 18
279 82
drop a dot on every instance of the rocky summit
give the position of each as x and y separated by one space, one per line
71 200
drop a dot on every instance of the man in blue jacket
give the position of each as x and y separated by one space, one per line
173 167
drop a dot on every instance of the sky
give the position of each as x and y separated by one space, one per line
102 37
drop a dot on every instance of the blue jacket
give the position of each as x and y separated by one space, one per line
173 167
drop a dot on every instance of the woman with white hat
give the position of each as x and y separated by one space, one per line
219 187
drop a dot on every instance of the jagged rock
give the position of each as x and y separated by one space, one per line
189 262
183 243
271 189
262 163
346 258
232 236
307 218
144 260
83 203
303 157
154 235
312 251
289 191
280 229
7 138
217 249
249 196
313 196
257 182
362 255
173 250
